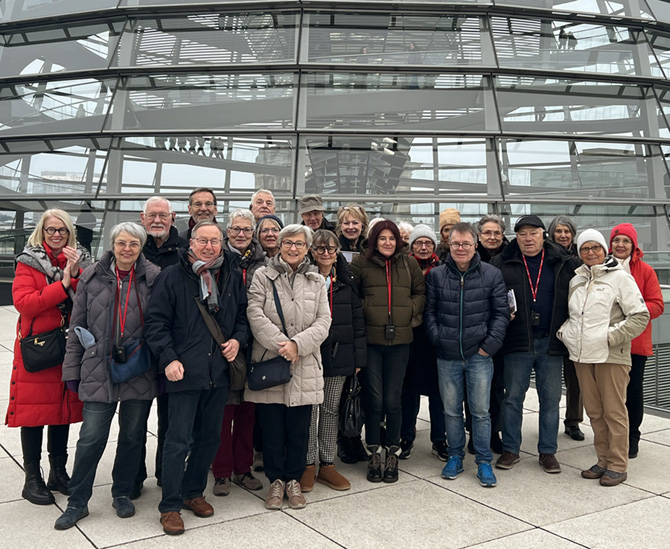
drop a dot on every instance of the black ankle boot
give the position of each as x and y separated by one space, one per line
346 451
375 464
34 489
59 481
391 466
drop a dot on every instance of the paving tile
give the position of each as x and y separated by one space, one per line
639 524
445 519
530 539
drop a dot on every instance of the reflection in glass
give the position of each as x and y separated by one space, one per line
209 39
403 39
584 169
17 10
637 9
408 101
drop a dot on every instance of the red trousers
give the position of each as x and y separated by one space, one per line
236 451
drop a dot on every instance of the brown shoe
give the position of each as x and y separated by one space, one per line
549 463
507 460
295 498
307 479
612 478
596 471
275 497
172 523
199 507
329 476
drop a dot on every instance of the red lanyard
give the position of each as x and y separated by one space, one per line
388 285
539 273
331 295
122 318
244 277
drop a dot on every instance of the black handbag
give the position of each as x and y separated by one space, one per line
276 371
352 417
42 351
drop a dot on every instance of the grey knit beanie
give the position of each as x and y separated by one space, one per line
422 231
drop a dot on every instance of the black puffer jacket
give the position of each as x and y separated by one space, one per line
519 336
175 329
166 255
465 311
94 310
250 261
484 254
360 245
345 348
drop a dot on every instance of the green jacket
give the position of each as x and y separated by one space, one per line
408 296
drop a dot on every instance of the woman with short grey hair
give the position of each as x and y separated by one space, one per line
563 231
133 229
244 214
293 230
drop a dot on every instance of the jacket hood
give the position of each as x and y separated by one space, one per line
626 229
280 266
105 267
610 264
380 259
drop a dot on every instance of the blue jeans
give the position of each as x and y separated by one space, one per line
382 388
93 439
548 374
476 372
195 419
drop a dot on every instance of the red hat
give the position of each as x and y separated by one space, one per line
625 229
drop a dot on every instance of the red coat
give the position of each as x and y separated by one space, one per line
647 281
40 398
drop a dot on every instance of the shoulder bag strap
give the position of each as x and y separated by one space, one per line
279 309
210 321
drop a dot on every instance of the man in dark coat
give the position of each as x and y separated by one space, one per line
311 210
539 272
161 248
195 366
201 207
466 317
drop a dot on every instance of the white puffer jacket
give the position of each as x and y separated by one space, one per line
307 315
606 312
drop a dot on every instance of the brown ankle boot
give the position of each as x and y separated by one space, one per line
307 479
329 476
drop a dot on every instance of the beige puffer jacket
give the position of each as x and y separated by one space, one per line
305 306
606 312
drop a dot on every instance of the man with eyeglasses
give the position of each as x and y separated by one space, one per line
163 243
466 317
201 207
204 282
539 272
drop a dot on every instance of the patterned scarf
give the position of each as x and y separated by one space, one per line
427 264
205 270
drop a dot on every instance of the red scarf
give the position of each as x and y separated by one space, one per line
427 264
56 260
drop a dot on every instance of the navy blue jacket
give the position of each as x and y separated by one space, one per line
175 330
465 311
166 255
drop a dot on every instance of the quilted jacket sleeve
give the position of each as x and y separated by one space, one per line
418 289
430 312
309 340
264 330
74 349
499 313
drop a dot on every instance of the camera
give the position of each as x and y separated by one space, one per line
536 319
119 354
389 331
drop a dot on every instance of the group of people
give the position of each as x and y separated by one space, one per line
463 317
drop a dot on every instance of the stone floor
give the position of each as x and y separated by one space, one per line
527 509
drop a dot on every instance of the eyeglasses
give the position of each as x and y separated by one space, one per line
61 231
121 244
237 230
154 215
424 244
205 204
270 230
215 242
288 244
465 245
323 249
588 249
491 233
622 240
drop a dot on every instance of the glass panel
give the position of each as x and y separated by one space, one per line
572 46
664 97
232 164
55 107
210 39
637 9
576 107
661 9
408 101
186 101
394 165
394 39
17 10
39 52
661 47
581 170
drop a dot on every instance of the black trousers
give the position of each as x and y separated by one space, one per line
285 439
31 441
635 397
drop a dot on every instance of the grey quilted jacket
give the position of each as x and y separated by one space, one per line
94 310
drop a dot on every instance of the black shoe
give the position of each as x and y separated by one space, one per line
471 445
633 449
59 481
136 492
359 449
440 450
70 517
574 432
406 448
496 443
375 464
346 451
34 489
124 507
391 467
